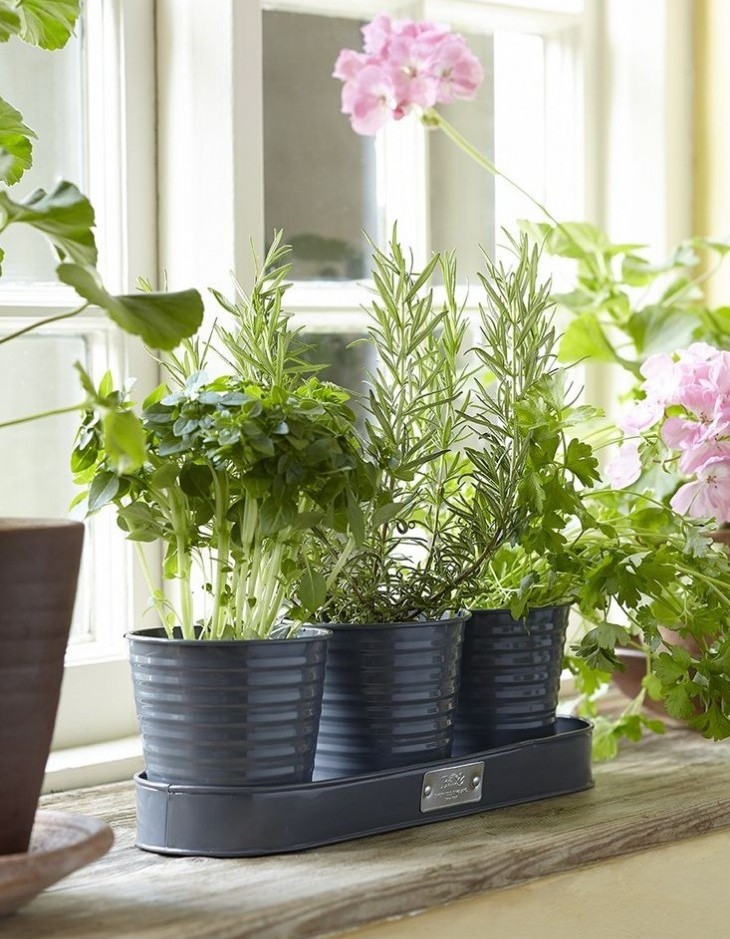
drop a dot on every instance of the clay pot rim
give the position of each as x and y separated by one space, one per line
10 524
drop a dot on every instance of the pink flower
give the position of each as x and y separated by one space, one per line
377 34
458 70
349 64
625 468
369 99
709 495
642 415
404 65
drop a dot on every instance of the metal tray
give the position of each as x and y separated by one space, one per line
257 820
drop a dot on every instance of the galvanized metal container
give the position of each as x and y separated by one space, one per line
510 677
389 696
228 713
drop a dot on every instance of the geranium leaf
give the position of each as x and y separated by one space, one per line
162 320
16 150
64 215
48 25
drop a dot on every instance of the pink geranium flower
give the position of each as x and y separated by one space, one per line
687 408
625 468
709 495
417 66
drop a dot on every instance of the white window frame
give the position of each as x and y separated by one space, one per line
96 697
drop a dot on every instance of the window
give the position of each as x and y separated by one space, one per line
205 130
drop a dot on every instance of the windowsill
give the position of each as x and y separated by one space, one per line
657 793
93 765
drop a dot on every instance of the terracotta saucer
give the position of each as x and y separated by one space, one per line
59 845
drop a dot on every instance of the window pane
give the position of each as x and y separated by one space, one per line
347 365
319 175
507 123
519 118
461 191
48 89
38 375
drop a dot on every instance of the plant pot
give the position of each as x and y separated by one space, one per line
228 713
510 677
389 696
39 566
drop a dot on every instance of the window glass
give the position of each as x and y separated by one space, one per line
319 175
461 193
48 90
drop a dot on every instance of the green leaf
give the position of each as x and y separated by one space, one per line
9 20
662 329
161 319
585 339
45 24
124 441
16 150
679 701
64 215
312 590
672 667
580 461
103 489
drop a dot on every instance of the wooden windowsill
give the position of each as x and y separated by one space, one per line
659 792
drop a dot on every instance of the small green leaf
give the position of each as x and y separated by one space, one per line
103 489
124 440
312 590
584 338
16 150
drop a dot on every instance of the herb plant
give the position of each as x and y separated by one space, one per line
238 470
451 449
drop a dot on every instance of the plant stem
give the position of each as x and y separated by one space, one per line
37 417
220 485
37 324
179 515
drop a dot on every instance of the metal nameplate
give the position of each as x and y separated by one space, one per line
451 785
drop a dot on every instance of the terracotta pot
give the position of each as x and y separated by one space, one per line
39 565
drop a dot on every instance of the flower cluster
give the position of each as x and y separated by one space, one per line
404 65
687 404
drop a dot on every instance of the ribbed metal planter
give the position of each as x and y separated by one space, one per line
389 696
39 565
510 677
229 713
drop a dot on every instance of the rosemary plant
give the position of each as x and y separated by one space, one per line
450 454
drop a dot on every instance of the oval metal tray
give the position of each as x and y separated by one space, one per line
257 820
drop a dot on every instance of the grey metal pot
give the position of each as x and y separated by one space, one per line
228 713
510 677
389 696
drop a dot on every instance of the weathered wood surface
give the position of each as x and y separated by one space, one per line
666 789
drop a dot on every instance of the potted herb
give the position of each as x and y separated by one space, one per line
450 456
39 558
238 470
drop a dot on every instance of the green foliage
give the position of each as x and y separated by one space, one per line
232 474
625 308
